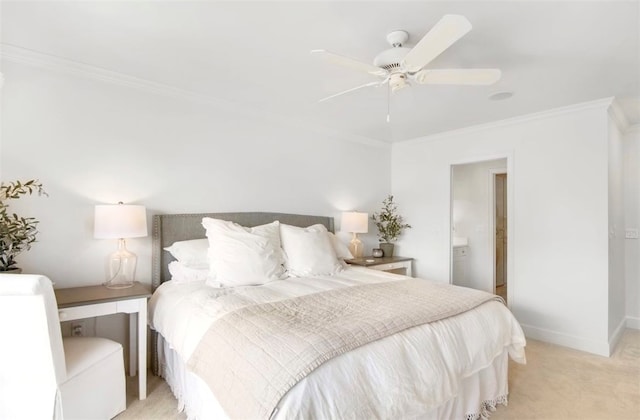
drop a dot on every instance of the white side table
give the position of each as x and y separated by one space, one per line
91 301
398 265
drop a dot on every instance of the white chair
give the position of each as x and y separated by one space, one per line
44 376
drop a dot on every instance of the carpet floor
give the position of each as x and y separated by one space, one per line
556 383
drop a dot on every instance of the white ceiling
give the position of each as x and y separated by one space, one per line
256 55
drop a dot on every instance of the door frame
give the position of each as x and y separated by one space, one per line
492 222
448 242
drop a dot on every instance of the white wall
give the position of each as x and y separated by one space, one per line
558 206
93 142
632 220
617 320
188 156
471 214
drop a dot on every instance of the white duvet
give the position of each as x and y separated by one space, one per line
404 375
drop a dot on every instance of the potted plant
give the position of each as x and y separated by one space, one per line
16 233
390 225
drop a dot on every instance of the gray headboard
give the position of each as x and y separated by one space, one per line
168 228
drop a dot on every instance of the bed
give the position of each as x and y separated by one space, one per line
455 367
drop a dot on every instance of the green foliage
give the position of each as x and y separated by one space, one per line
16 233
390 225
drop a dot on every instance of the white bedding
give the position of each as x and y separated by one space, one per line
405 375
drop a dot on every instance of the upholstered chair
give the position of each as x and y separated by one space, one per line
42 374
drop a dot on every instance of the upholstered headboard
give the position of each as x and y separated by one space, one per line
168 228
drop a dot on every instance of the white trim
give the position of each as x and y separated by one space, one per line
49 62
617 335
633 322
449 240
511 256
633 128
600 103
548 336
510 157
618 116
481 158
492 223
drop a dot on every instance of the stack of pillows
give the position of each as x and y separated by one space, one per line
234 255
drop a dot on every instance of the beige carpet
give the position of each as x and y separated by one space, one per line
557 383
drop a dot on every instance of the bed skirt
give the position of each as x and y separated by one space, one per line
478 395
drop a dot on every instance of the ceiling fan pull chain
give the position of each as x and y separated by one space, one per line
388 103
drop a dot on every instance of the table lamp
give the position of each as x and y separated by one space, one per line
120 221
355 222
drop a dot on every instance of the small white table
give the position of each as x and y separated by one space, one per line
91 301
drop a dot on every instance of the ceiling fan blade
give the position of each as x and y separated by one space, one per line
350 63
352 89
458 76
447 31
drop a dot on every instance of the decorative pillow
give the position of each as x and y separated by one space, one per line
181 273
193 253
243 256
308 251
342 250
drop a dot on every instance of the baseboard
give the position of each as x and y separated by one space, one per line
633 322
591 346
617 334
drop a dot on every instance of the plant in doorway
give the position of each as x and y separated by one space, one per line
390 225
16 233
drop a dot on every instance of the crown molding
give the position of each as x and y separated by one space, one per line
49 62
604 103
618 116
32 58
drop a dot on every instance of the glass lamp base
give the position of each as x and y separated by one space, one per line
356 247
117 284
121 268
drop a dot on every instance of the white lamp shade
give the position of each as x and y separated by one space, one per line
355 222
117 221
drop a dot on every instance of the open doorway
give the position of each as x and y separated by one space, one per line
478 227
500 232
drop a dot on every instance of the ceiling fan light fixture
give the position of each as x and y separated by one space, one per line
397 81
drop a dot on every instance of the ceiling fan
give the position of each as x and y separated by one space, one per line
399 65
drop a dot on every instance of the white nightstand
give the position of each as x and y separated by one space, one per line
398 265
90 301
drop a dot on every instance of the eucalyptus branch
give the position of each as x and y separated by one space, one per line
390 224
16 233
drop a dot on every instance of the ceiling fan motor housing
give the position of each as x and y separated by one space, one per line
391 58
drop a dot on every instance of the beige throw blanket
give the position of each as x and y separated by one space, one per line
252 356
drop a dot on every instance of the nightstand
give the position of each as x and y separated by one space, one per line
397 265
91 301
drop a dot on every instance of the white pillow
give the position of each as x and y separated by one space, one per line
244 256
181 273
192 253
308 251
342 250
